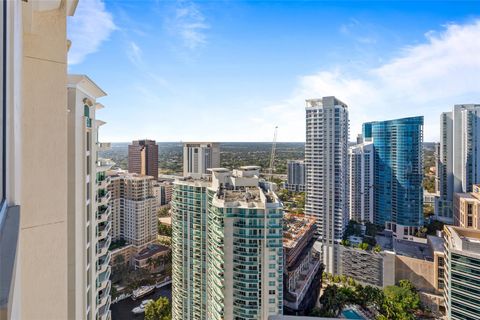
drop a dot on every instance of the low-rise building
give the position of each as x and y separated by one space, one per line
152 258
422 263
302 270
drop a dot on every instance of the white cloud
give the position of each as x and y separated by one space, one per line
91 25
424 79
189 24
134 53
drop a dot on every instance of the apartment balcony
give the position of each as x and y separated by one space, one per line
103 312
103 230
104 164
103 197
102 247
103 212
103 293
103 276
103 183
104 146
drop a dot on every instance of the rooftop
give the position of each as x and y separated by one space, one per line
248 194
295 227
150 251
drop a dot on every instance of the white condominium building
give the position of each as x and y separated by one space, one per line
227 247
360 184
326 160
200 156
458 155
134 208
88 208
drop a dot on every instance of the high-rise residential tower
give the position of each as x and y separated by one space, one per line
458 156
200 156
361 175
326 160
233 268
143 158
88 207
33 159
462 273
398 191
134 208
295 175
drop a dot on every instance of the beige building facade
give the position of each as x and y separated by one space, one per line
134 208
33 206
466 209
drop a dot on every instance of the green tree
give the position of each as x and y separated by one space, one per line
363 246
377 248
158 310
400 302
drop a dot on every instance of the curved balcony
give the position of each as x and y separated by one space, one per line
103 312
103 183
103 196
103 276
103 230
102 247
104 146
104 164
103 212
103 263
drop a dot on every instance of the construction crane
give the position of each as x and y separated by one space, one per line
272 156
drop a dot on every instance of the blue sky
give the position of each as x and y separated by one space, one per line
233 70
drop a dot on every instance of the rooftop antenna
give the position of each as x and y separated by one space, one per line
272 155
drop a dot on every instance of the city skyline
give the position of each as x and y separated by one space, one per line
386 61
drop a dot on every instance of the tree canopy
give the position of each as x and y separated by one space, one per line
158 310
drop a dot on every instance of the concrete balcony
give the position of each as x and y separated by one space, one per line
104 146
103 230
103 264
103 197
103 292
104 164
103 312
103 183
103 213
103 276
102 247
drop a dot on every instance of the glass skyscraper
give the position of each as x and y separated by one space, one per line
398 167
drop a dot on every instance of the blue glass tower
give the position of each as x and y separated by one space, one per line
398 191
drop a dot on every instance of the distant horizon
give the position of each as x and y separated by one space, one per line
237 69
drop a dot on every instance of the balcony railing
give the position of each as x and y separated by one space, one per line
103 197
102 246
104 164
103 146
103 212
103 230
103 308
